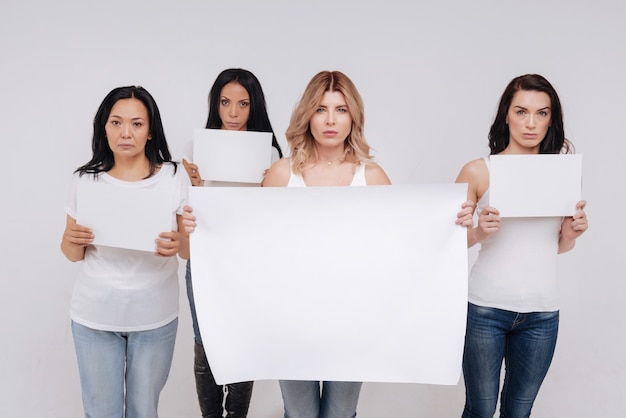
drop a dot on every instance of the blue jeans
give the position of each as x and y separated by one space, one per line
123 370
526 343
302 399
192 304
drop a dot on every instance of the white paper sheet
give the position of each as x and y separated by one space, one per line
331 283
235 156
535 185
123 217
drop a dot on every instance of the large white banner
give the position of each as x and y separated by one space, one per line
331 283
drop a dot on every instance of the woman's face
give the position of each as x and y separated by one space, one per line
529 118
234 109
331 123
128 128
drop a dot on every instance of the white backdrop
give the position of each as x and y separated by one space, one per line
430 73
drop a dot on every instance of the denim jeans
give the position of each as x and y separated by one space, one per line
123 370
302 399
192 304
526 343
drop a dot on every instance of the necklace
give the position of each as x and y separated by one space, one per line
330 162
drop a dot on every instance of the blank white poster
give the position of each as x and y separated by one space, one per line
535 185
331 283
235 156
124 217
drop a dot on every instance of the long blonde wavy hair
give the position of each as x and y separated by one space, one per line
298 134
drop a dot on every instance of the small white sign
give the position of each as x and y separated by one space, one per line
124 217
535 185
234 156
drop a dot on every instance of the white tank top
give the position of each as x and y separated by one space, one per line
296 180
516 269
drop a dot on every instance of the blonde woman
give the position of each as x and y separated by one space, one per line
326 139
328 148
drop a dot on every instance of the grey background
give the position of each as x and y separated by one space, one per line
430 74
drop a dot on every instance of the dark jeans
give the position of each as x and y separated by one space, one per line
526 343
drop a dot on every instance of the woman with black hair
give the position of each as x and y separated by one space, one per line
124 308
513 310
236 102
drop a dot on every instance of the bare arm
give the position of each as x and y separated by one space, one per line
375 175
572 227
278 174
75 239
476 175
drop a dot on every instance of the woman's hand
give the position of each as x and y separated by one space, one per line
488 223
573 226
466 216
189 219
75 239
193 172
78 235
168 244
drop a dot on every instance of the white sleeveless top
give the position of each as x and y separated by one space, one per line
516 269
296 180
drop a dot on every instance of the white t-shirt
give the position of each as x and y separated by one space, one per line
126 290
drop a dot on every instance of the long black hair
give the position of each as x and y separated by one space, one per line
156 149
258 119
554 141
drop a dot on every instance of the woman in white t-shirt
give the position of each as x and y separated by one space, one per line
513 311
124 307
236 102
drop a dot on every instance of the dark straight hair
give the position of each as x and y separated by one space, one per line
156 149
258 120
554 141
